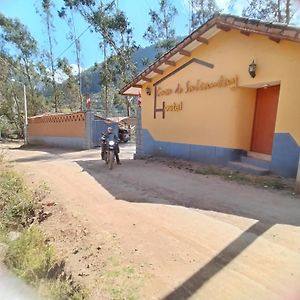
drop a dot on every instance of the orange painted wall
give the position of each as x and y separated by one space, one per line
223 116
65 125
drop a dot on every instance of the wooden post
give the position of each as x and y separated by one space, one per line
297 186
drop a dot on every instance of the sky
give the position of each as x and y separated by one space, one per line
136 11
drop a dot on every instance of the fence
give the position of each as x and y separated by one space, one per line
76 130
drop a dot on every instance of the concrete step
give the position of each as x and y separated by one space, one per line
265 164
248 168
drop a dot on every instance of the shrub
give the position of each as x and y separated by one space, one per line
17 203
29 256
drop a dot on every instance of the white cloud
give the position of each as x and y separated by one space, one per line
60 76
75 69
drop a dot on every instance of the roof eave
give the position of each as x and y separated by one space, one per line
274 31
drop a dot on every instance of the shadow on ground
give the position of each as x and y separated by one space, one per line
116 183
45 153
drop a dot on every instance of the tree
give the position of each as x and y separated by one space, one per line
69 88
12 80
74 38
201 11
160 32
281 11
46 12
115 33
15 36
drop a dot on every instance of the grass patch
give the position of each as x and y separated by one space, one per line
270 181
267 181
61 290
29 256
33 260
119 282
17 202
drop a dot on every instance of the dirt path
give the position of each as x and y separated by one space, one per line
148 231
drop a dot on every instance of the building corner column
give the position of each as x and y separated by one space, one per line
297 185
89 118
139 138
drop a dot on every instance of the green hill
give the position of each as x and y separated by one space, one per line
90 77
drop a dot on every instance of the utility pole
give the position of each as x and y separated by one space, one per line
25 116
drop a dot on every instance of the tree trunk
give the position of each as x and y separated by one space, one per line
288 11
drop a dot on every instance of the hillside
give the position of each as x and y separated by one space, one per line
90 77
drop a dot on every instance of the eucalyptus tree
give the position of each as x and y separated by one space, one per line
281 11
115 33
201 11
161 31
19 50
47 6
69 88
68 15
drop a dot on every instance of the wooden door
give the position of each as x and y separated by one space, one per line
265 119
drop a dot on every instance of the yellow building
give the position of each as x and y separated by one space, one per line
230 91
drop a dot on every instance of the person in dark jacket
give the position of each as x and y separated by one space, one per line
110 136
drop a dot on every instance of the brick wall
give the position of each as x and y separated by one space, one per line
60 125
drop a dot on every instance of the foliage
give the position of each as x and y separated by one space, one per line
69 88
17 203
115 32
160 31
281 11
16 70
46 12
7 129
29 257
33 260
72 36
201 11
61 290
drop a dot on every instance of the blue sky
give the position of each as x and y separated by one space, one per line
136 10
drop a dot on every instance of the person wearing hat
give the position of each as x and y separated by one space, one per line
110 136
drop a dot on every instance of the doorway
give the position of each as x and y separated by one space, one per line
265 119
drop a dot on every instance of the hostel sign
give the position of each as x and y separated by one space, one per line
189 87
199 85
174 107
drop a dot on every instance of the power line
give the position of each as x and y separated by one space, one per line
81 34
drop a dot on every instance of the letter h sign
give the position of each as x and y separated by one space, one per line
156 110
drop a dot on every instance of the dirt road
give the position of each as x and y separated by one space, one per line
148 231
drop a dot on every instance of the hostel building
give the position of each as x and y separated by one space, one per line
229 92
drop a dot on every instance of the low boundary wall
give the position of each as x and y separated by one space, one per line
63 130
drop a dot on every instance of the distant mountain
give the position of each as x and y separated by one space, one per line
142 58
143 54
90 77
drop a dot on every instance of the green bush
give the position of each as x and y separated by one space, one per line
29 256
7 128
17 203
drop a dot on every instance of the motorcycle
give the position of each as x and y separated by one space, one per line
109 153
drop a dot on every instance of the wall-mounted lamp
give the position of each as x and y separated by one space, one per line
148 91
252 69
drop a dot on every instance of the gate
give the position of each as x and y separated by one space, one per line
100 126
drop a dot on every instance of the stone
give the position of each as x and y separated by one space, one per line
13 235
